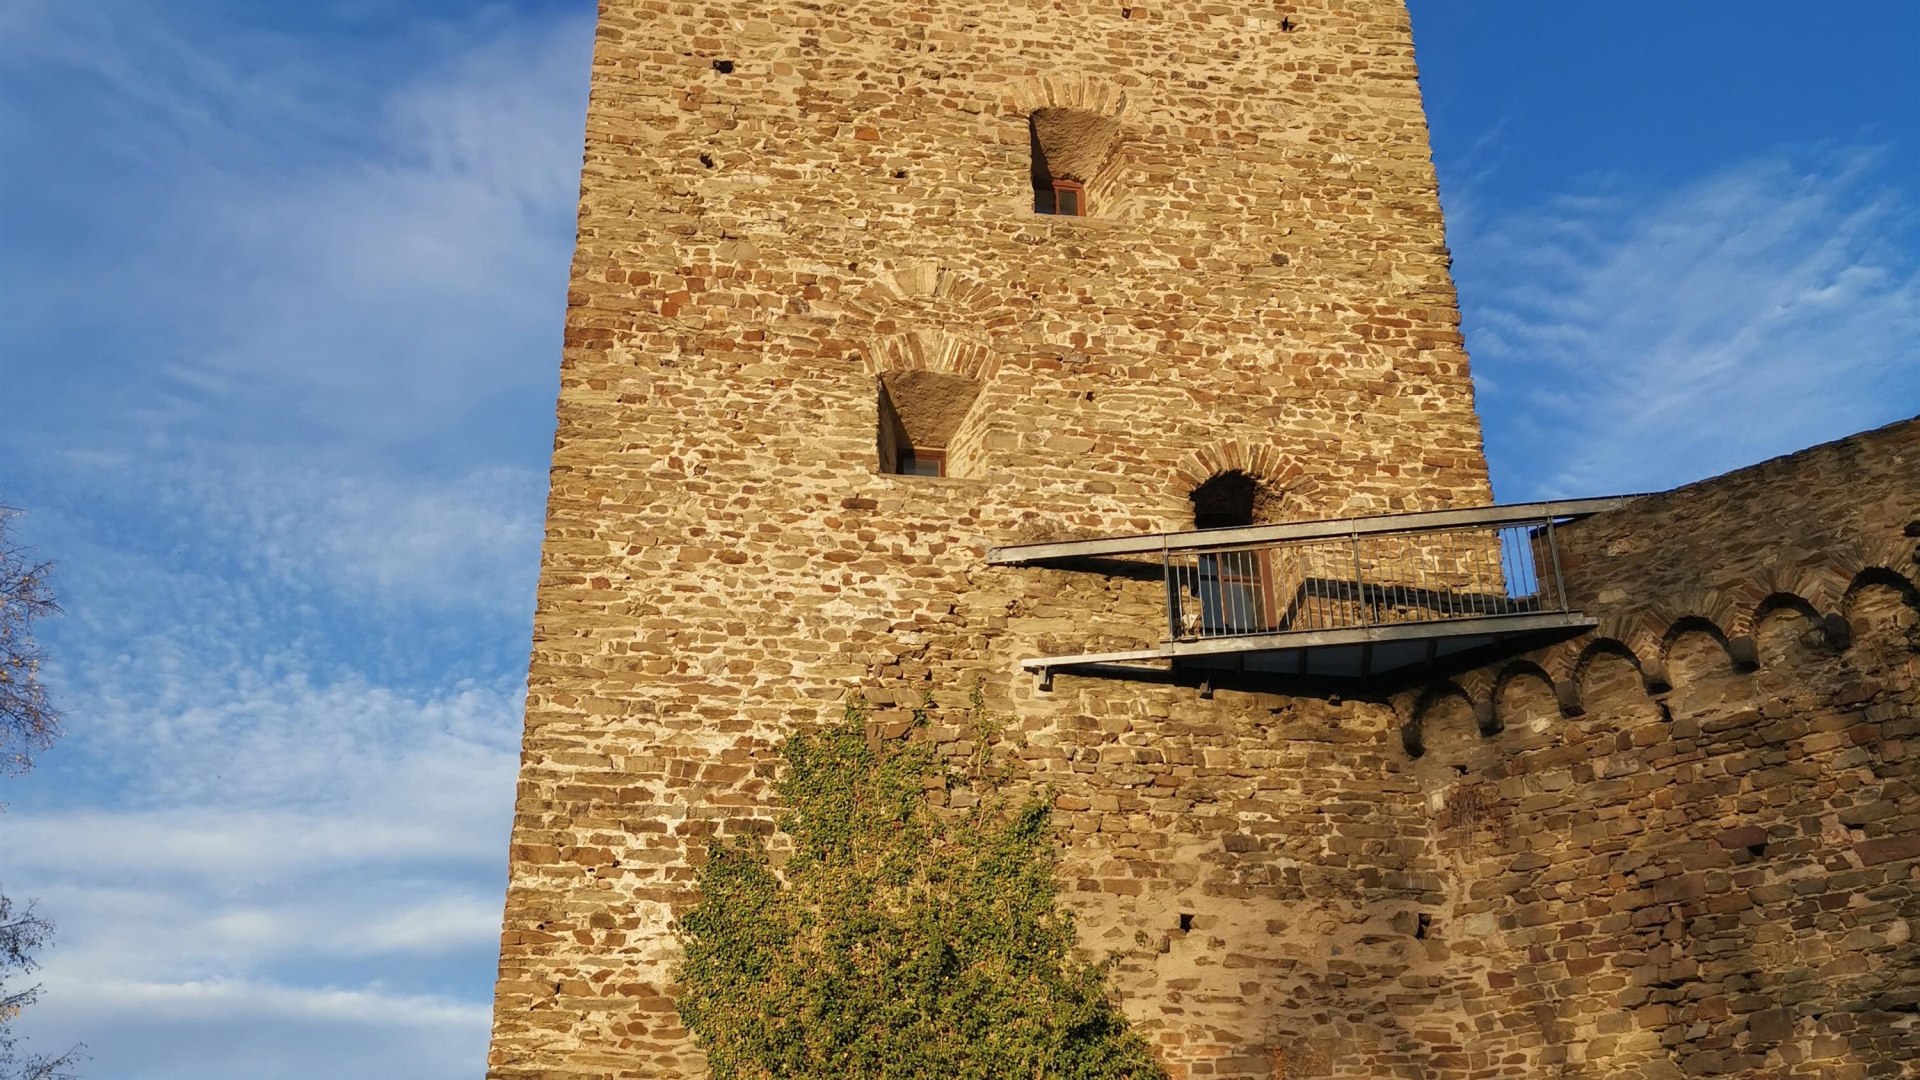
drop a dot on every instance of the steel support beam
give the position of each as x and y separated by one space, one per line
1431 632
1153 543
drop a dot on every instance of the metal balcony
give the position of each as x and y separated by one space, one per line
1335 600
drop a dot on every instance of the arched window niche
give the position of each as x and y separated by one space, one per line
924 428
1235 591
1072 151
1233 499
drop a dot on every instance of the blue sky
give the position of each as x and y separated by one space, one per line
280 298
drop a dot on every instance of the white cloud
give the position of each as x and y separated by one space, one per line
1633 340
310 870
256 1030
298 263
285 378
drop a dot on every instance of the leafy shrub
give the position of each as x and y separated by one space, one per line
897 941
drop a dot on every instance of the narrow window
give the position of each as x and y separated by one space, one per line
1234 588
1071 148
921 462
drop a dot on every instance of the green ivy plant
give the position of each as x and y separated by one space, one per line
897 941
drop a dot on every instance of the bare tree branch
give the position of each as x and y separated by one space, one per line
29 722
22 933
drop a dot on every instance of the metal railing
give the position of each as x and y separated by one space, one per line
1363 579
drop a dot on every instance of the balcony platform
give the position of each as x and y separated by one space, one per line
1334 602
1351 653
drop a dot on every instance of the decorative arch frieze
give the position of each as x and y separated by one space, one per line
1645 639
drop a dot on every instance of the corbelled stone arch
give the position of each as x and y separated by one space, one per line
1440 709
928 350
1824 584
1642 634
1725 606
1693 645
1598 655
1883 601
1523 693
1776 603
1697 656
1446 733
1068 91
1786 627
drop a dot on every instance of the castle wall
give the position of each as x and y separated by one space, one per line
1712 867
1262 285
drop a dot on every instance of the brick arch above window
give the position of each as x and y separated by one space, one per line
1274 487
928 350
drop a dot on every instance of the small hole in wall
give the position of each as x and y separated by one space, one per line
1089 395
1421 926
707 160
1186 921
1757 850
1126 13
1286 24
724 67
899 174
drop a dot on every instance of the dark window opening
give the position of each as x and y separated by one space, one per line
912 462
1186 921
1233 591
1225 502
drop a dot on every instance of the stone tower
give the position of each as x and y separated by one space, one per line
863 290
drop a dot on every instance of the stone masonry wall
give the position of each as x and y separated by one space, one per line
1688 844
782 202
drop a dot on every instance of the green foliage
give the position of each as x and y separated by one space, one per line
897 942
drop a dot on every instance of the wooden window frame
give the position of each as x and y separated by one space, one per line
1079 192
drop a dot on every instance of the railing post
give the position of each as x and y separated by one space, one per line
1553 552
1173 594
1359 583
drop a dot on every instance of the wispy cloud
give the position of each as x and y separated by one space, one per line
191 1030
281 343
293 246
1633 339
281 851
